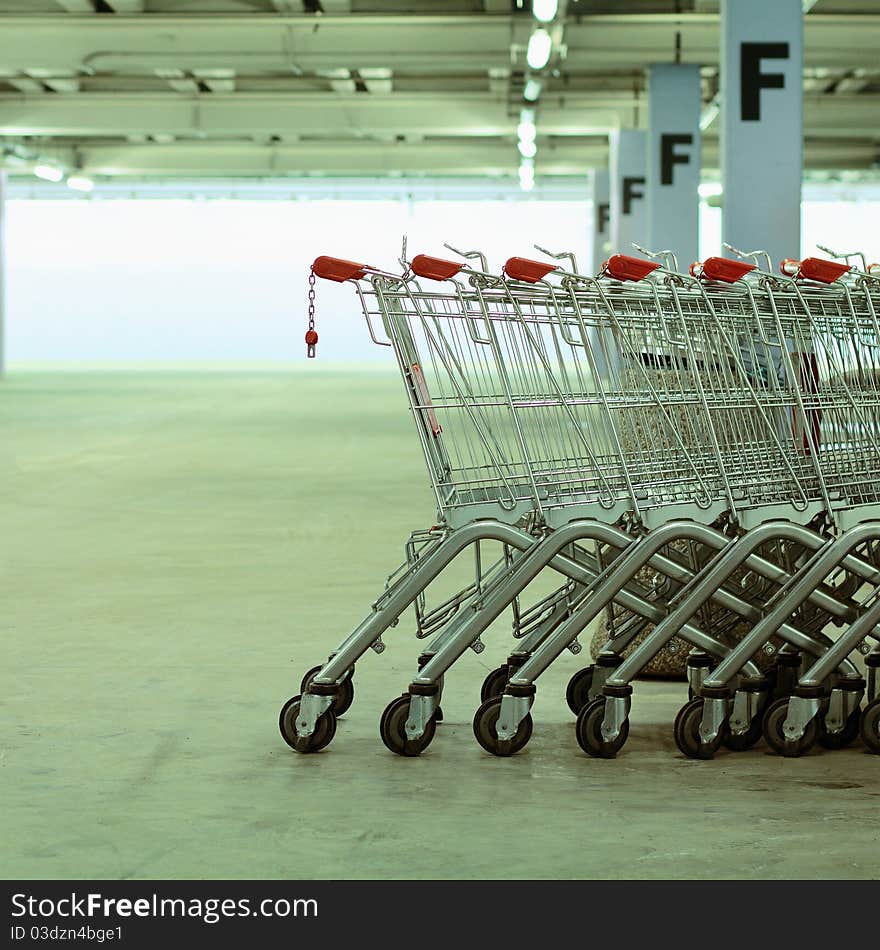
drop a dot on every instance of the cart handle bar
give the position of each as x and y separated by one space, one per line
720 268
624 267
527 270
814 268
516 268
338 269
434 268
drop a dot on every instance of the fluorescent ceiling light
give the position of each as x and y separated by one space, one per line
710 113
527 149
545 10
526 131
532 90
80 183
48 172
538 52
709 189
527 175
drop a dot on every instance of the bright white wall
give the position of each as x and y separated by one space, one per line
221 279
226 280
844 225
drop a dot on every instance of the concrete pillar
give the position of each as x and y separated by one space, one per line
601 227
3 271
762 55
673 164
629 218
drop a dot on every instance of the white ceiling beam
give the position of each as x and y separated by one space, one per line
476 158
217 80
26 84
202 159
430 114
178 81
64 84
377 79
86 6
461 115
76 6
427 43
340 80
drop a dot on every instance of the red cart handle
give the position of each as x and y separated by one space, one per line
528 271
721 268
814 268
624 267
434 268
335 268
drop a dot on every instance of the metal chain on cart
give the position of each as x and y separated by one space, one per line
311 333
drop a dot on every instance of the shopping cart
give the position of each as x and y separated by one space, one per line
524 438
754 487
826 328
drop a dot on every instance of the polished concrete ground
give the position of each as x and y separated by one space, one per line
178 547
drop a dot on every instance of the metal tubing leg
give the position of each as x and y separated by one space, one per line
845 644
627 565
792 596
713 576
637 555
394 601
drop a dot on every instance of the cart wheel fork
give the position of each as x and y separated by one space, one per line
310 710
617 709
801 712
716 711
514 710
422 710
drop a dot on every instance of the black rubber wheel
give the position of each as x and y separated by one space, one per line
871 726
741 742
392 728
325 728
774 720
845 736
345 694
687 732
589 731
495 682
485 722
577 693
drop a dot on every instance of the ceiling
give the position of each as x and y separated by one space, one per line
271 88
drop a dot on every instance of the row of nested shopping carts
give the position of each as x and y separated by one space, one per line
716 431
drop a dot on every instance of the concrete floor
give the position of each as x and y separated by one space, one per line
180 546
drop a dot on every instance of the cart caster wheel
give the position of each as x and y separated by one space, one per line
741 742
577 693
589 731
438 715
392 728
774 720
344 696
845 736
325 728
485 721
871 726
687 732
495 683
